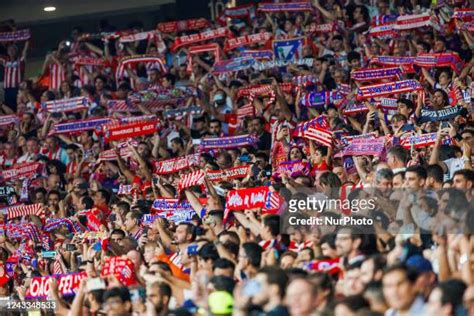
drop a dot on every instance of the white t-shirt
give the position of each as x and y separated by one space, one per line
453 165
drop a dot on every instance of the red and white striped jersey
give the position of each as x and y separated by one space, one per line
14 70
57 74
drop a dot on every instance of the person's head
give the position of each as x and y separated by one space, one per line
132 220
117 301
415 177
405 107
223 267
463 179
270 227
295 153
397 157
250 256
207 254
168 80
32 145
54 182
53 199
184 234
319 155
117 235
287 260
72 151
348 242
12 50
224 160
434 178
329 183
354 59
383 179
353 284
440 99
397 121
341 173
372 269
398 180
177 145
272 282
256 125
399 287
301 297
327 243
51 143
159 294
215 127
349 306
101 197
446 298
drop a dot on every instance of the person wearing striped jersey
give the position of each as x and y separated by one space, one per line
14 64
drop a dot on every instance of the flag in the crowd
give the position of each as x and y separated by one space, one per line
288 49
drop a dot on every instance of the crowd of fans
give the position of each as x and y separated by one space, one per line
132 169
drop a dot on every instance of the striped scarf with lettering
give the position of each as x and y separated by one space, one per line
20 35
285 7
228 142
377 74
213 48
251 39
383 89
133 61
184 25
186 40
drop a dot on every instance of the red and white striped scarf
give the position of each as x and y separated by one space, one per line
258 38
212 48
66 105
176 164
200 37
191 179
228 174
383 89
185 25
414 21
21 210
133 61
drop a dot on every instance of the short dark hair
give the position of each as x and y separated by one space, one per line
329 239
105 194
466 173
223 263
354 302
410 273
121 292
399 152
88 202
436 172
223 283
419 170
273 223
117 231
254 253
452 292
208 252
409 103
276 276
